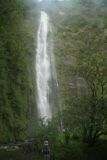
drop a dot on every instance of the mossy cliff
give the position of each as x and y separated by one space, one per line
17 51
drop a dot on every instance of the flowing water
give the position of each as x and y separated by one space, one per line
44 67
47 85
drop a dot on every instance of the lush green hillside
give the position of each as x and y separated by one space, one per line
16 69
80 48
81 60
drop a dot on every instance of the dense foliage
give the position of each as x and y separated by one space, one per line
80 46
82 62
16 69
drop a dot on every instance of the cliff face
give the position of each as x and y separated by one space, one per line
80 52
17 93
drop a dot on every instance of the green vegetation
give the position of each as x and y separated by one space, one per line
64 145
80 42
80 47
16 69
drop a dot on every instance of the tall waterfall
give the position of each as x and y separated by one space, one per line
44 69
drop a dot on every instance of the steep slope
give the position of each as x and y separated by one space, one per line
16 69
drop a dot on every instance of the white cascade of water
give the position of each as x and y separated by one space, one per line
43 68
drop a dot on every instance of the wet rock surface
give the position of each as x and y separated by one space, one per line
20 151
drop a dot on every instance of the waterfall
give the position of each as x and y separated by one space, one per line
44 67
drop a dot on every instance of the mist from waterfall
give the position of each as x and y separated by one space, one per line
44 67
